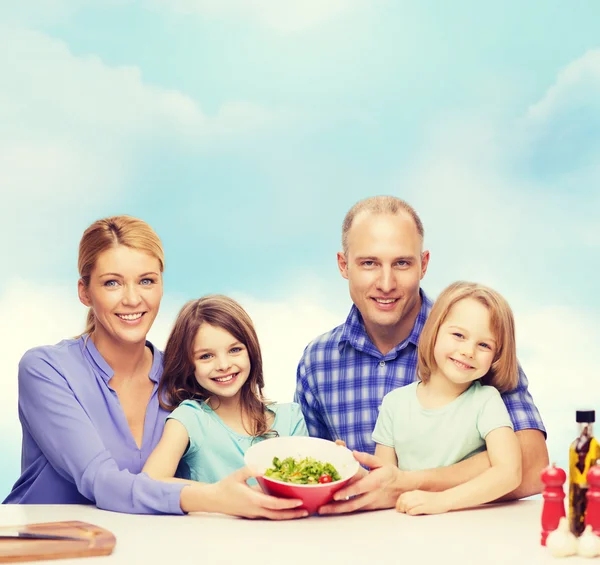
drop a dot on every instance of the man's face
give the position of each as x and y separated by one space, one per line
384 266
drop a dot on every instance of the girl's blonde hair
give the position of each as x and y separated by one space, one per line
178 381
109 233
504 371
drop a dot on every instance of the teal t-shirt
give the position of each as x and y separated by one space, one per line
215 450
427 439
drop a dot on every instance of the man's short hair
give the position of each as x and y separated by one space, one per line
379 205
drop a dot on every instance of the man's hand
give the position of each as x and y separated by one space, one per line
234 496
376 489
417 502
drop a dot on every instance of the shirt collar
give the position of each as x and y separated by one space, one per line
106 370
354 332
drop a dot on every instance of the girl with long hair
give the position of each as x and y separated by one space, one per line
213 385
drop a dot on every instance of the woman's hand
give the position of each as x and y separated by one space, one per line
417 502
233 496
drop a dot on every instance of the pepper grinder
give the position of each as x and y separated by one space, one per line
592 513
553 510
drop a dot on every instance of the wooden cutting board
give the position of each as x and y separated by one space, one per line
95 541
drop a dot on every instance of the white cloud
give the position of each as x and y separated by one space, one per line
283 16
559 349
62 112
75 131
52 94
35 168
576 86
559 133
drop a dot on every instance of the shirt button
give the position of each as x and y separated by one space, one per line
382 363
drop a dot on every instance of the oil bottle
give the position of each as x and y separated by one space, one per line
583 453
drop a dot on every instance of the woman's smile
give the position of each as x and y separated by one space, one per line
131 319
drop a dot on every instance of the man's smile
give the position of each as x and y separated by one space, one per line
385 300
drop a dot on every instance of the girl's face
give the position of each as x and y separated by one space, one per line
124 291
465 345
221 362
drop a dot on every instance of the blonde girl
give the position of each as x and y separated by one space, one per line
466 358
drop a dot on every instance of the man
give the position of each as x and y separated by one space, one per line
345 373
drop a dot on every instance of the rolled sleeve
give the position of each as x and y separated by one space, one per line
309 404
523 411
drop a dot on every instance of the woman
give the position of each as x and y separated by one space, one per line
89 406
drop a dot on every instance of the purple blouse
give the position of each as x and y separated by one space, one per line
77 444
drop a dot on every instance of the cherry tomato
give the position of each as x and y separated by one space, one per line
325 478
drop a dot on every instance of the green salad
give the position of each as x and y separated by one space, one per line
307 471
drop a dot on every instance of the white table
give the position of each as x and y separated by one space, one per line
507 534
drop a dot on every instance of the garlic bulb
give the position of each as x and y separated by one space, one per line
588 544
561 542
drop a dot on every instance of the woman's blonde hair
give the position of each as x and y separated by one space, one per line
178 381
504 371
109 233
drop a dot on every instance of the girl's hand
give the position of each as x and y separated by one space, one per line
235 497
417 502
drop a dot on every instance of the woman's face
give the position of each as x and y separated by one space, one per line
124 292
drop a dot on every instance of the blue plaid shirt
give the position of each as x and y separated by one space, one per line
342 379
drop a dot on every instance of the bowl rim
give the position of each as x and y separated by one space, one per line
295 485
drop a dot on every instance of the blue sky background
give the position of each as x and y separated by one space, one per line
242 131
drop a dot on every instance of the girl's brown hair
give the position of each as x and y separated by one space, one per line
504 371
178 381
111 232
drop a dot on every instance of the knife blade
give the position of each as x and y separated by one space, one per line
10 534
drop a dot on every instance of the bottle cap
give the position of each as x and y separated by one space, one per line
585 416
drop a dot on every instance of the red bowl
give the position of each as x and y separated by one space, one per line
260 457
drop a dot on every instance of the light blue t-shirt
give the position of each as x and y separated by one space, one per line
427 439
215 450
